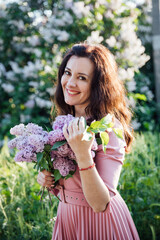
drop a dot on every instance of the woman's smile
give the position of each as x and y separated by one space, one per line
72 92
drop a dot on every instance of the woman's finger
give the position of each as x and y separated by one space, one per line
75 126
65 132
70 127
81 124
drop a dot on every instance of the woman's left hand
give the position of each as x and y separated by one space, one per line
74 134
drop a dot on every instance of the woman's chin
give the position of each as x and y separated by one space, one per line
69 103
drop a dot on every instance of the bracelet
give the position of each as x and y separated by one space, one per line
82 169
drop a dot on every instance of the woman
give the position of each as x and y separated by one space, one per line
91 208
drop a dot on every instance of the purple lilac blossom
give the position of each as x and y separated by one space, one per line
13 143
61 120
64 165
22 142
37 141
64 150
54 136
32 128
18 130
23 156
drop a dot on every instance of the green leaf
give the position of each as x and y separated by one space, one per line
118 132
68 176
58 144
39 156
110 125
85 123
96 124
99 141
57 175
105 139
44 164
107 119
140 96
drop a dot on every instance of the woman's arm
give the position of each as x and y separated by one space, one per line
94 189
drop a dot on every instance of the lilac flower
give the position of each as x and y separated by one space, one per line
54 136
29 153
22 142
64 150
13 143
25 156
61 121
64 165
37 141
71 155
18 130
32 128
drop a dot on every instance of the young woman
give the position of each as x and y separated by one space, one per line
91 208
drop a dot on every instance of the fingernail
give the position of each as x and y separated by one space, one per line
53 185
52 175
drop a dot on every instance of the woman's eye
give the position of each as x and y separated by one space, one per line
82 78
67 72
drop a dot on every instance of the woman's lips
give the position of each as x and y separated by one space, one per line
72 92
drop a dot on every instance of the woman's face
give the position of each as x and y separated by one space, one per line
76 81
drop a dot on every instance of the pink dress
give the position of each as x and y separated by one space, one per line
75 218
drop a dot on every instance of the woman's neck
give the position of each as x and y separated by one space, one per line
80 112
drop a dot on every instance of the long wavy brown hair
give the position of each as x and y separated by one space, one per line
107 91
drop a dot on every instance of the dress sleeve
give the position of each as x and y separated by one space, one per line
109 164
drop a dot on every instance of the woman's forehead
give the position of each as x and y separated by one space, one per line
80 64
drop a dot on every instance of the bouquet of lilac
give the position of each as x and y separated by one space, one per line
50 150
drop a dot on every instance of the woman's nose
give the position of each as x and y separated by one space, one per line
71 81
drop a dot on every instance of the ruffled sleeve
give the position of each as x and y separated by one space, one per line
109 164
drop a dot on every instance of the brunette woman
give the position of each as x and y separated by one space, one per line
91 208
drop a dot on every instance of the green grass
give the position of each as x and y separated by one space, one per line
23 216
140 184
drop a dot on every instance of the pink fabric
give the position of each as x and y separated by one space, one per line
75 218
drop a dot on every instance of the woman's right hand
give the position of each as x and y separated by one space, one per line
45 179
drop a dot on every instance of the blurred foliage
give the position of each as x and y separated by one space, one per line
140 184
33 38
22 215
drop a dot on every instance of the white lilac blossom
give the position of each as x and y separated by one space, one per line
33 40
18 130
10 75
30 104
42 103
2 68
80 9
135 124
8 88
95 38
131 85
